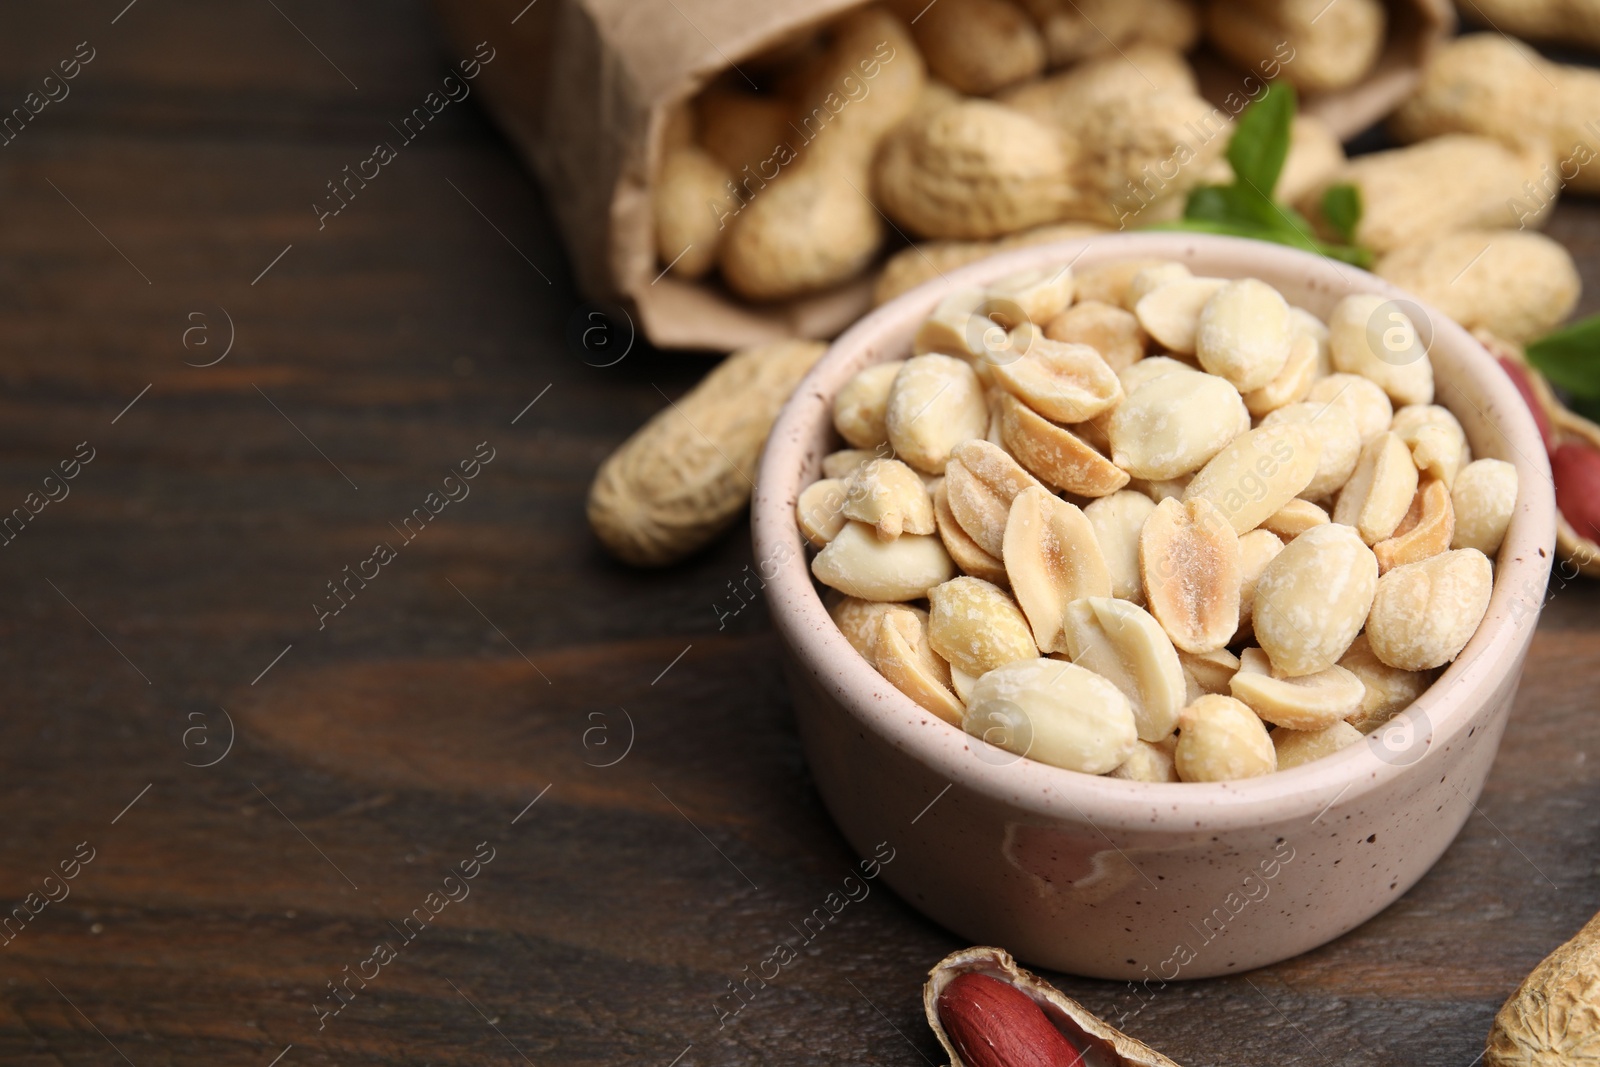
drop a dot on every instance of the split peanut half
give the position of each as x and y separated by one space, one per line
1189 561
1123 643
981 481
1052 559
1309 702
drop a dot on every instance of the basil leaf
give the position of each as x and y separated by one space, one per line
1341 206
1260 140
1570 358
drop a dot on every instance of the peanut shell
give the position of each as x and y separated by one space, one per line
686 475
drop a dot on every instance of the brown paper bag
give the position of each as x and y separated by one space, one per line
583 89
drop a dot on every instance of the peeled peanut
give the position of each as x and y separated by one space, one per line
1117 520
1222 740
1256 549
1243 334
1170 313
1207 672
978 46
962 683
1362 399
1312 599
1435 438
1378 494
856 562
981 481
1041 294
858 619
1110 331
1148 763
1308 325
1368 335
845 462
1424 613
1173 424
1297 747
926 260
1257 473
1053 712
901 652
690 197
1189 561
1307 702
1294 519
862 405
1386 690
1292 383
809 229
950 329
819 510
1108 283
1426 530
976 169
1064 382
889 496
1124 644
1052 559
1152 278
1054 454
976 626
1484 498
1149 369
935 403
1338 442
969 556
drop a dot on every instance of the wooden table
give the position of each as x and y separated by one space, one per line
473 687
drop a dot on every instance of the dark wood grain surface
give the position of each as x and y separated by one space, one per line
167 604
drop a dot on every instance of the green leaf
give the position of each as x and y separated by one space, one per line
1230 203
1341 206
1570 358
1260 140
1355 256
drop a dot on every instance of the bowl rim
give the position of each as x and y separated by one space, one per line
1037 789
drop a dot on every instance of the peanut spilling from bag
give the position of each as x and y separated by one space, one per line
1236 548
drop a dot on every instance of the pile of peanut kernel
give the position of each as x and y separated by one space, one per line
1158 526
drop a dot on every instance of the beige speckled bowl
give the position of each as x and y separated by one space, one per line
1148 882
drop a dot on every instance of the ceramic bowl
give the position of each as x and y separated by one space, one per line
1132 880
